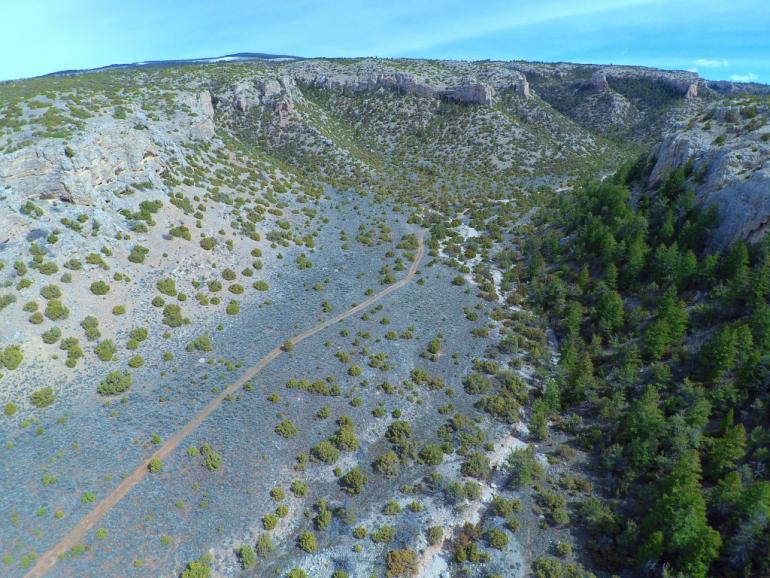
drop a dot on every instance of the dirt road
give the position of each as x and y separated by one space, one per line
75 536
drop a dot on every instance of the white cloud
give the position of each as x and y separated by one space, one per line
711 62
749 77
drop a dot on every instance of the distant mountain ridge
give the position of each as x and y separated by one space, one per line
236 57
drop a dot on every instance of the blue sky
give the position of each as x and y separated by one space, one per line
719 39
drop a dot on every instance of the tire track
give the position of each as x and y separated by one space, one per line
76 535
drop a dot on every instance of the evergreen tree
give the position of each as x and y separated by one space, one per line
717 355
609 312
641 429
676 531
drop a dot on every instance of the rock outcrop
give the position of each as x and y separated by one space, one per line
599 82
729 152
107 161
107 156
472 93
468 94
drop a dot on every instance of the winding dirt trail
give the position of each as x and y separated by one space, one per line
48 559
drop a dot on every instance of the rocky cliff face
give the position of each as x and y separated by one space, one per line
108 156
728 152
458 82
348 118
281 92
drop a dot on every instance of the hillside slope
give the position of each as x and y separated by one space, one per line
163 228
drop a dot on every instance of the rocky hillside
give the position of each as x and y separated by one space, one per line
723 154
164 228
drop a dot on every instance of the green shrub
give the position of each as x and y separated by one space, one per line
434 535
354 371
99 288
345 439
200 343
286 429
211 459
51 336
564 549
55 310
353 481
392 508
303 262
10 409
48 268
523 467
299 488
497 539
325 452
200 568
6 300
180 232
167 287
387 464
115 383
233 308
307 542
42 397
269 521
106 350
96 259
49 292
431 455
476 465
138 253
264 545
277 494
246 556
383 534
155 466
72 346
505 508
401 562
172 315
90 325
11 357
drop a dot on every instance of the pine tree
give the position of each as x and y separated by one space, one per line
725 451
717 355
609 312
676 530
641 430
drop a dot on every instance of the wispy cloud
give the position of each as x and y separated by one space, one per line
711 62
748 77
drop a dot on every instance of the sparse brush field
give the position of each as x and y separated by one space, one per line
531 375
